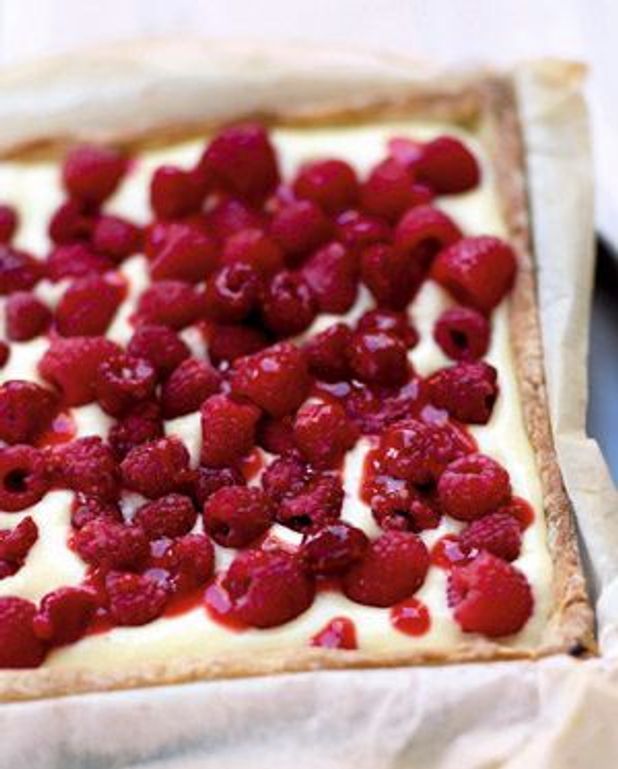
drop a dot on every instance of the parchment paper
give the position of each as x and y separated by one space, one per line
554 713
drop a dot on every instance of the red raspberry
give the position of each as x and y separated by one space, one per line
72 364
228 430
87 465
378 358
334 548
447 166
26 409
5 353
92 173
467 391
170 516
255 248
155 468
275 379
242 161
288 305
392 569
395 505
276 436
188 387
418 452
135 599
390 322
300 227
19 271
159 345
26 316
19 646
232 293
111 545
332 275
190 560
268 588
186 252
489 596
390 275
211 479
477 271
23 477
473 486
9 221
462 333
331 184
89 304
326 353
497 533
85 509
284 477
317 504
389 191
323 433
115 237
123 381
142 424
229 216
172 303
227 343
65 614
76 261
235 516
175 193
357 231
423 232
72 222
15 543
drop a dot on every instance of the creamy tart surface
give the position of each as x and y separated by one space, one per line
258 394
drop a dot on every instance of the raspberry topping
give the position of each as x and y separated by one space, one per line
9 221
423 232
300 227
86 509
331 184
390 275
142 424
229 216
111 545
73 221
232 293
170 516
332 275
473 486
326 353
188 387
135 599
115 237
26 410
122 382
65 614
23 477
228 430
88 305
172 303
339 633
92 173
467 391
159 345
462 333
15 543
175 193
333 548
26 316
378 358
323 433
357 230
76 261
285 477
498 533
447 166
210 479
390 322
255 248
227 342
186 252
319 502
87 465
155 468
19 271
19 646
234 516
288 305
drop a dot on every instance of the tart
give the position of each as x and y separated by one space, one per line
272 399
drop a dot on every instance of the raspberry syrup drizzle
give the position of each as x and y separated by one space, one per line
219 608
447 552
339 633
411 617
62 430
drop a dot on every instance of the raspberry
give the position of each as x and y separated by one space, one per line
111 545
188 387
497 533
284 477
323 433
275 379
155 468
172 303
227 343
378 358
326 353
190 560
211 479
135 599
318 503
26 410
268 588
332 275
170 516
357 231
76 261
19 271
447 166
89 304
276 436
423 232
123 381
19 646
234 516
373 409
72 364
175 193
26 316
85 509
477 271
392 569
5 353
473 486
142 424
489 596
228 430
242 161
394 505
462 333
92 173
73 221
23 477
467 391
159 345
288 306
255 248
391 277
15 543
390 322
334 548
186 252
229 216
404 150
300 227
389 191
87 465
418 452
65 614
232 293
331 184
115 237
9 221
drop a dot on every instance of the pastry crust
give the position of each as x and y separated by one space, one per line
487 102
